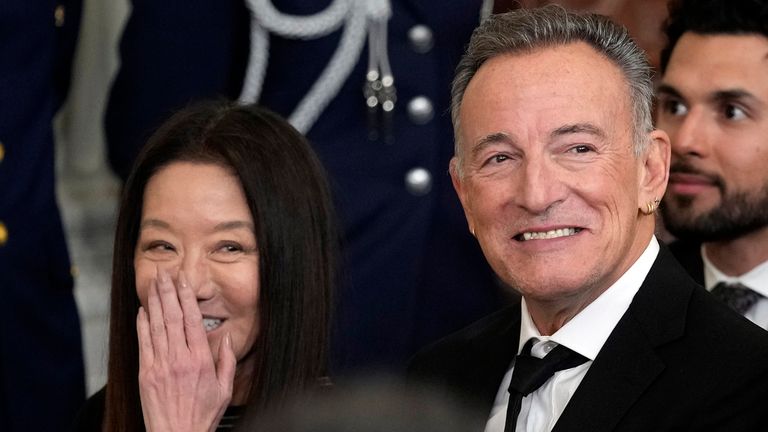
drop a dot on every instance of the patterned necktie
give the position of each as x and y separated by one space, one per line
530 373
737 296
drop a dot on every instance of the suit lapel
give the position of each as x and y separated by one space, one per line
628 363
492 356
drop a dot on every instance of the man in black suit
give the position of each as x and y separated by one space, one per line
713 101
559 171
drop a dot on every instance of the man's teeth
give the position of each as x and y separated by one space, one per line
211 324
564 232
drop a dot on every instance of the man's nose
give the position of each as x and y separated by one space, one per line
691 137
541 186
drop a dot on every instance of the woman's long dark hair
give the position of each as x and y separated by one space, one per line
287 193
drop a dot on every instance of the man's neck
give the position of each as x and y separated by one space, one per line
738 256
550 316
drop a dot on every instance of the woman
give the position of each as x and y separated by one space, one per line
223 265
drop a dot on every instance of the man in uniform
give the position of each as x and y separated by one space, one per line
42 382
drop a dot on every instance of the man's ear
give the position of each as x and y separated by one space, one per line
461 191
655 169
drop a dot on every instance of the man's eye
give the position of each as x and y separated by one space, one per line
581 149
732 112
675 107
498 159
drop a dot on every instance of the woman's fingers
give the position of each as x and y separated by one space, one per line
193 319
225 369
156 323
180 386
172 315
146 351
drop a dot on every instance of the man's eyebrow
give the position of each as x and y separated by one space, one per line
586 128
731 94
666 89
496 137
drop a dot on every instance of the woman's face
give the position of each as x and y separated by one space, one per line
195 219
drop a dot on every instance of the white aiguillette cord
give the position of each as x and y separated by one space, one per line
358 17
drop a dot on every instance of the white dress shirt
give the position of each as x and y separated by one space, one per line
586 334
755 279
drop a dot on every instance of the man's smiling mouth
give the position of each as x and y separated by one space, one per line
546 235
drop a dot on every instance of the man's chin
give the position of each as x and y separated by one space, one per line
709 229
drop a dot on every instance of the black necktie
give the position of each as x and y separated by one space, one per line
737 296
530 373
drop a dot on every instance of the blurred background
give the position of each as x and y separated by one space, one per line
87 190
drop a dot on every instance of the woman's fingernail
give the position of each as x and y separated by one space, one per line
183 279
163 275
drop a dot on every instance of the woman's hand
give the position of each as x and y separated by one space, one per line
180 386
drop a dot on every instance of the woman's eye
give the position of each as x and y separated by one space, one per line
732 112
230 248
160 247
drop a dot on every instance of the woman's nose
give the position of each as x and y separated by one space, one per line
197 274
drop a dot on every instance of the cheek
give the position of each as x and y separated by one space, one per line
240 287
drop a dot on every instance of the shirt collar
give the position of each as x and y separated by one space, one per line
755 279
587 332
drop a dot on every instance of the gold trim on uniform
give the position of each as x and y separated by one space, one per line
3 234
59 14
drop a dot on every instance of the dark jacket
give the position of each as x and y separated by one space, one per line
689 256
677 360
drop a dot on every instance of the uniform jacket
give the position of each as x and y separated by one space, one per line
678 360
41 364
408 257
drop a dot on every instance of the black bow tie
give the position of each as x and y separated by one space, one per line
530 373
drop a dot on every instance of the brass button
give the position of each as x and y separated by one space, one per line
2 151
58 15
3 234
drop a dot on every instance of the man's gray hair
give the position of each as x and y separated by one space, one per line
527 30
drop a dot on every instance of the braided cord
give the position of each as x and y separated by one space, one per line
354 14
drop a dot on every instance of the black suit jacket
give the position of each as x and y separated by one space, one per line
677 360
689 256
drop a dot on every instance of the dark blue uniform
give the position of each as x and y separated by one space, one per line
412 272
42 382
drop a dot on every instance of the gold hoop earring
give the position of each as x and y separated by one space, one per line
651 206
